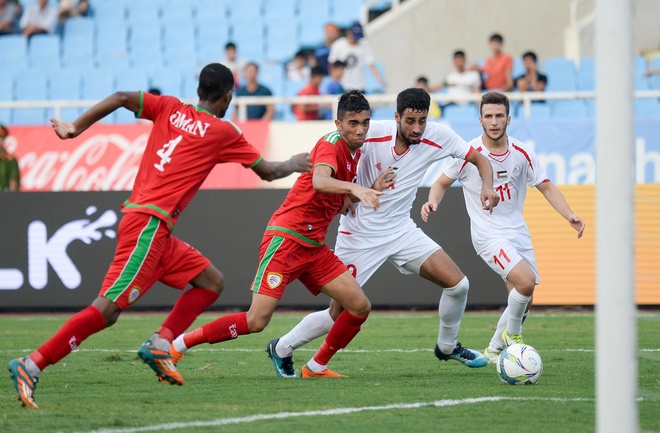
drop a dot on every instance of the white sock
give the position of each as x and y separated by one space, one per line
451 309
517 304
313 325
31 367
160 343
179 344
315 366
496 344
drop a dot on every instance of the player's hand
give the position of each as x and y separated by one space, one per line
349 206
367 196
302 162
427 209
577 223
63 129
489 199
385 180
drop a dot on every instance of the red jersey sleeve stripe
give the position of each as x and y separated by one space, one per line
379 139
521 150
430 143
468 154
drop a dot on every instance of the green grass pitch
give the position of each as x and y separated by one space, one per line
395 383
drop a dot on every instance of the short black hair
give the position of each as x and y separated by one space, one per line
215 81
154 91
414 99
352 101
230 45
317 70
255 64
422 79
338 64
496 37
459 53
496 98
531 54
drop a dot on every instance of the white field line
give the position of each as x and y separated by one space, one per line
329 412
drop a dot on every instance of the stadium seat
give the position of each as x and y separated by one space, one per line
65 85
280 12
561 74
14 52
167 80
179 46
78 52
310 29
44 51
249 40
345 12
79 26
112 44
212 36
142 13
639 69
243 11
281 42
647 107
518 68
587 74
217 12
383 113
7 81
272 76
176 10
98 85
108 11
316 8
129 80
373 86
573 109
654 80
468 111
145 45
31 85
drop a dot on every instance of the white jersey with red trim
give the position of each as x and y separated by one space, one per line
513 171
378 153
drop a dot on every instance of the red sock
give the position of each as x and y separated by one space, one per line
188 307
74 331
342 332
224 328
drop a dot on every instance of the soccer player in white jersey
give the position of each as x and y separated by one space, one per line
501 238
395 157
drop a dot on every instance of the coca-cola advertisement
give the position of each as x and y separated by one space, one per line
107 157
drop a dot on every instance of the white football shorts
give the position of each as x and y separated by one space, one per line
502 255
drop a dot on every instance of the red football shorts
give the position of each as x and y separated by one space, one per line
147 252
282 260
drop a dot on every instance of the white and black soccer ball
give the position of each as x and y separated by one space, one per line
519 364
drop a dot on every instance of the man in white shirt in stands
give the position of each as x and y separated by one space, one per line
395 157
501 237
354 50
460 81
39 18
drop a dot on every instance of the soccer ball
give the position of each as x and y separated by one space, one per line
519 364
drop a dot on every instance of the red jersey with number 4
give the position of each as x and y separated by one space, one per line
306 214
186 142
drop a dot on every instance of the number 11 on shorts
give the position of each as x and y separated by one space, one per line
502 255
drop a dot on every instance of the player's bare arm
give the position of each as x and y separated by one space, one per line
489 198
271 170
436 194
128 100
323 181
559 203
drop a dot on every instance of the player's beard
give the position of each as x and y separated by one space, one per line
498 137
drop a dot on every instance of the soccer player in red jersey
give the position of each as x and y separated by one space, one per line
186 142
293 246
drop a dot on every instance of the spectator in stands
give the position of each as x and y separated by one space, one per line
310 111
39 18
334 86
235 65
252 87
10 177
72 8
434 109
354 50
652 71
532 80
332 33
498 67
298 69
9 13
460 81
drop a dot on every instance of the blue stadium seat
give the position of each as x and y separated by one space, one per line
14 52
112 44
282 12
142 13
249 40
468 111
145 45
79 26
65 84
587 74
215 10
540 110
167 80
176 10
129 80
7 81
272 76
373 86
345 12
573 109
518 68
654 80
98 85
108 11
383 113
281 42
639 69
244 11
31 85
561 74
311 30
44 51
290 88
316 8
179 46
189 86
647 107
212 36
78 52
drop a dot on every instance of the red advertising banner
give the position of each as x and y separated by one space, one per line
107 158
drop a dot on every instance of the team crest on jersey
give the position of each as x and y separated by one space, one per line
134 294
502 174
348 166
274 280
379 167
516 169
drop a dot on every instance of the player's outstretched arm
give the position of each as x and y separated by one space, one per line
436 194
323 181
558 201
489 198
271 170
129 100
